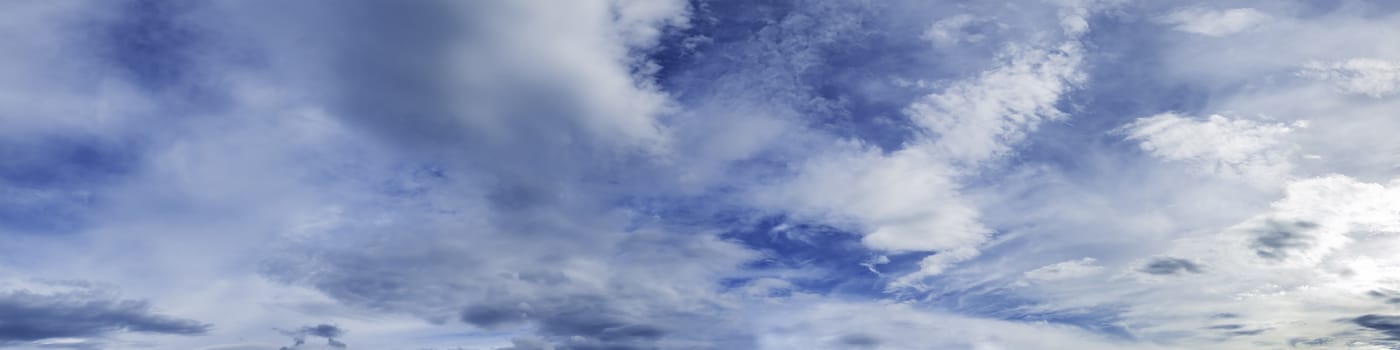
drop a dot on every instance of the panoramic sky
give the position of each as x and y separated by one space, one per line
703 174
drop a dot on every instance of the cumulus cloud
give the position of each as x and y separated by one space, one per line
908 199
1319 215
1238 148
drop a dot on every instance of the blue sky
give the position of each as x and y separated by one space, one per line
703 174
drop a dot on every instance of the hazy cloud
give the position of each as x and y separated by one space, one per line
1366 76
1215 22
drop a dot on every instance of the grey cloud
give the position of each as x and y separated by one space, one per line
493 316
323 330
583 329
597 321
1388 325
538 244
859 341
1248 332
1170 266
407 47
1278 239
29 316
475 114
330 332
588 316
648 299
1388 296
596 317
1309 341
1236 330
526 344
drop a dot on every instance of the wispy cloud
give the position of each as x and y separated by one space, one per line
1215 22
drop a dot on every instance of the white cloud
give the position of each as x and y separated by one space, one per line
1235 148
1268 75
909 200
1310 260
980 119
1298 271
1065 270
1365 76
1215 22
1319 216
478 186
906 201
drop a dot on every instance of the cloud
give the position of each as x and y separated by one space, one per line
330 332
1064 270
701 174
582 56
622 291
1321 242
1277 239
1320 214
326 96
576 277
1387 325
506 194
859 341
1209 22
1364 76
527 344
921 211
895 326
1256 152
980 119
1170 266
963 28
958 129
1389 297
81 314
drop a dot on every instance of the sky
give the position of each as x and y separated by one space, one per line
701 174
